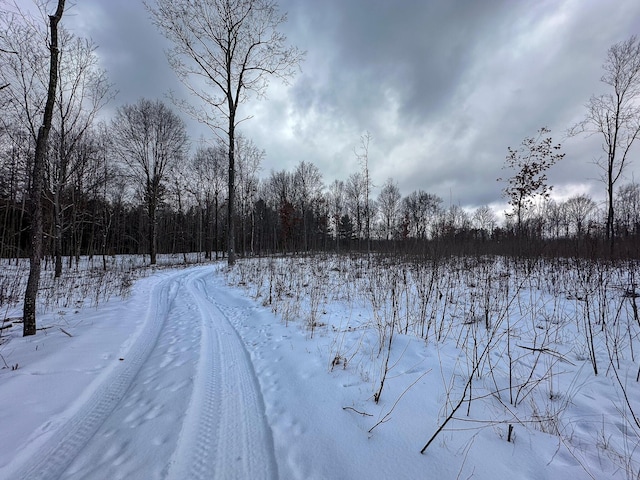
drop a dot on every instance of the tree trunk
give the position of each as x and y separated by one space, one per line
216 233
153 254
37 184
57 232
152 231
610 211
232 191
205 229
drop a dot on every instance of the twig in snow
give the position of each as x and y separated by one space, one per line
550 352
386 415
364 414
65 332
4 361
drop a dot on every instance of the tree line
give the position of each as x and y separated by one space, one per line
133 187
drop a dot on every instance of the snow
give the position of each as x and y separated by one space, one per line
270 370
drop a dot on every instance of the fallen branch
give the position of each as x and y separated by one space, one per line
4 361
449 417
65 332
553 353
364 414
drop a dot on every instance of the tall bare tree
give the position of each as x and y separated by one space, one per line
279 193
208 167
24 68
389 208
307 192
420 209
223 51
83 89
336 200
149 138
249 158
628 208
578 208
484 219
556 220
37 180
455 220
615 116
354 190
362 156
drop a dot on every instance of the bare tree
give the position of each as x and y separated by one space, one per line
209 187
577 209
530 162
24 65
363 158
25 61
149 138
280 196
249 158
615 116
37 179
455 220
628 208
484 219
389 207
556 220
336 201
307 190
83 89
420 210
355 200
223 50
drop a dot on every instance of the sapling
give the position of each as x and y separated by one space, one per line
387 317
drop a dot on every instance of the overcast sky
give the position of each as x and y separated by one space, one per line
443 87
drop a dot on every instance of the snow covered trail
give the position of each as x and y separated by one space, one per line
226 434
183 403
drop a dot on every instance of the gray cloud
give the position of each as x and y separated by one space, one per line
443 86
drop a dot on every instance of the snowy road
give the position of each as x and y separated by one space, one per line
183 402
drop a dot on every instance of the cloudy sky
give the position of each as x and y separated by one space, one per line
442 86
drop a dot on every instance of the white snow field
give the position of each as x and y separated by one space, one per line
254 373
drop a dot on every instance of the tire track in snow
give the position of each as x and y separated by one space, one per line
52 459
225 434
187 357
